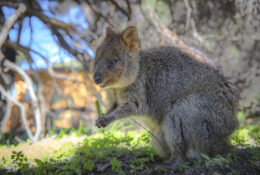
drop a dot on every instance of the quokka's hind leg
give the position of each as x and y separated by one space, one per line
158 142
208 135
174 138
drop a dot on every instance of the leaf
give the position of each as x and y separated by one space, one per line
205 156
39 162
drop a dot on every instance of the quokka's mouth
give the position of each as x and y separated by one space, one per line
102 85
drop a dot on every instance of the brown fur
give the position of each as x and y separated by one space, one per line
188 105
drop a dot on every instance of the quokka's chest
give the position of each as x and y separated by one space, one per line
123 96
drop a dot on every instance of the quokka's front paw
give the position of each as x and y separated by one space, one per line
102 122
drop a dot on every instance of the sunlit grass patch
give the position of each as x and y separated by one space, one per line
245 136
101 150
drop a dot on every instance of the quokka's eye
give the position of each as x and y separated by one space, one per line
112 63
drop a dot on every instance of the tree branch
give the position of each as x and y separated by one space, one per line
22 110
7 114
34 99
8 24
99 14
176 42
26 51
121 9
188 14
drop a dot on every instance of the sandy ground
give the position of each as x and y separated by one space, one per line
43 148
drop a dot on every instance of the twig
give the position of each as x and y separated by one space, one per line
121 9
129 7
171 10
194 31
45 140
22 111
34 100
149 133
50 70
31 32
99 14
20 23
188 14
18 139
7 113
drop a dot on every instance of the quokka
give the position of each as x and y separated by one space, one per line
187 104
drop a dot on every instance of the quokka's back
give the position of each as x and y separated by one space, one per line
171 74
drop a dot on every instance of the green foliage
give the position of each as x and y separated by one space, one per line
119 152
248 135
140 164
255 152
116 166
88 166
160 169
20 161
183 166
4 161
99 111
108 148
218 160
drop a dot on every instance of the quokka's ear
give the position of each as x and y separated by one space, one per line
109 31
130 37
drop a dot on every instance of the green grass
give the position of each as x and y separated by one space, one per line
106 149
115 150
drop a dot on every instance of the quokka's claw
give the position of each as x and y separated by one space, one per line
102 122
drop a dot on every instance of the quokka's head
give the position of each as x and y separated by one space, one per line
116 63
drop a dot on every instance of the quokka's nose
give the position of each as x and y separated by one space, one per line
97 78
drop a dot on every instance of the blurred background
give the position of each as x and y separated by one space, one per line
45 79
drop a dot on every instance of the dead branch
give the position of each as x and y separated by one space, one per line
3 35
176 42
20 23
99 14
31 31
26 51
129 7
79 109
188 14
34 99
54 25
8 24
18 139
22 111
194 32
121 9
7 114
161 28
